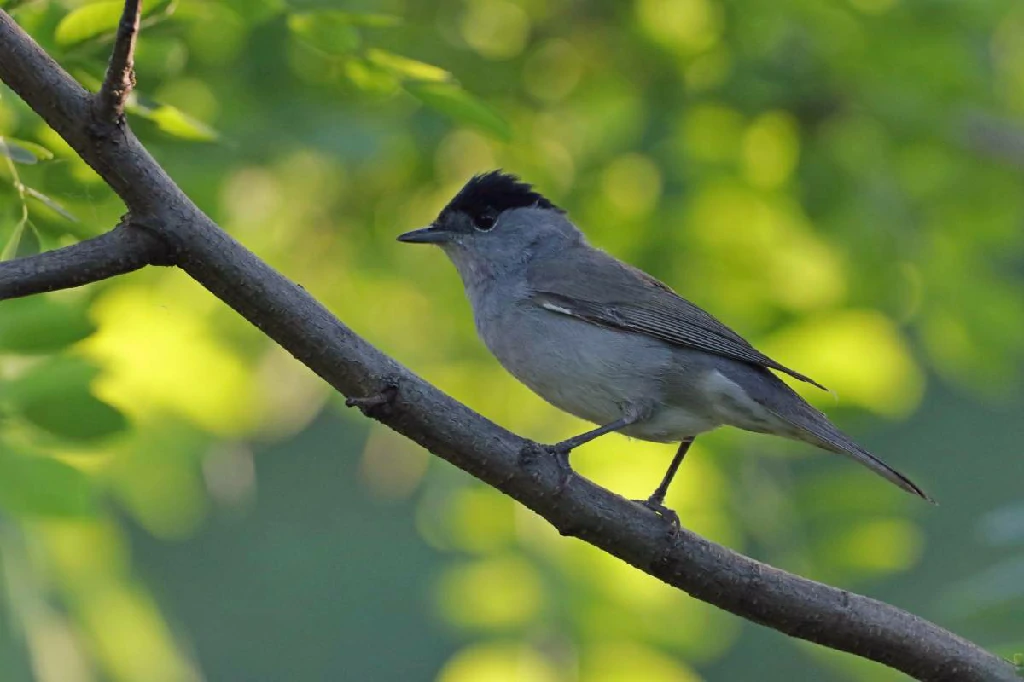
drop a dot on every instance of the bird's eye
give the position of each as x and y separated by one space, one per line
485 221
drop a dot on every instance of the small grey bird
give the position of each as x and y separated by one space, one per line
607 342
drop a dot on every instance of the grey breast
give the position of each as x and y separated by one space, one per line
592 372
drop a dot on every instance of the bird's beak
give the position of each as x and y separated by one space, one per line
426 235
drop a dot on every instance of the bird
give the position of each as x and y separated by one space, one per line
607 342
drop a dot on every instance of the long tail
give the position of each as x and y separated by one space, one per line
812 426
831 438
821 432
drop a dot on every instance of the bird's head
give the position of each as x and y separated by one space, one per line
495 223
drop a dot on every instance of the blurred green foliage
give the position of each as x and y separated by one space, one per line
837 179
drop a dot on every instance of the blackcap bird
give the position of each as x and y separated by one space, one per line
607 342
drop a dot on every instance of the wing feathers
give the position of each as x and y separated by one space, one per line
612 294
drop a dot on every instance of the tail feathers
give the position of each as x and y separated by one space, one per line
807 423
817 429
882 469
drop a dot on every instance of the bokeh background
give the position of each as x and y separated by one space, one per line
839 180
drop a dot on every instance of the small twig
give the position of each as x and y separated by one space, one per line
378 405
124 249
120 78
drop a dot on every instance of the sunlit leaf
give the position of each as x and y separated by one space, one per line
498 662
619 661
23 151
860 354
453 101
467 596
876 546
49 203
374 20
176 122
403 67
329 31
171 120
99 19
10 249
168 358
371 78
38 324
43 486
56 398
11 5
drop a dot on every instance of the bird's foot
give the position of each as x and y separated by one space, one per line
656 505
560 453
378 405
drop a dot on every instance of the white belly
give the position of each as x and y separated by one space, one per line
671 424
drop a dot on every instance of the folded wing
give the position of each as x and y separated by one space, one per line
613 294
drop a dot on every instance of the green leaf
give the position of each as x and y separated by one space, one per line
453 101
75 414
25 241
88 21
171 120
374 20
56 398
22 151
38 324
406 68
51 376
42 486
11 5
177 123
100 19
370 78
328 31
11 247
49 203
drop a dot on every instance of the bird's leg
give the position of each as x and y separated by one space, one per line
562 449
656 502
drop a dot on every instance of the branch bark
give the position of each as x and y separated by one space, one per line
120 78
285 312
124 249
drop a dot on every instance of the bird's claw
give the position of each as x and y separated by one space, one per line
560 453
658 507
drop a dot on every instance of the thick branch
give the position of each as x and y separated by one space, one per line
120 78
122 250
283 310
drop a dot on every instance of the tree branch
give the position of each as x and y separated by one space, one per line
285 312
120 78
124 249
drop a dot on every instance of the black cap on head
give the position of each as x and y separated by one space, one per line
489 194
